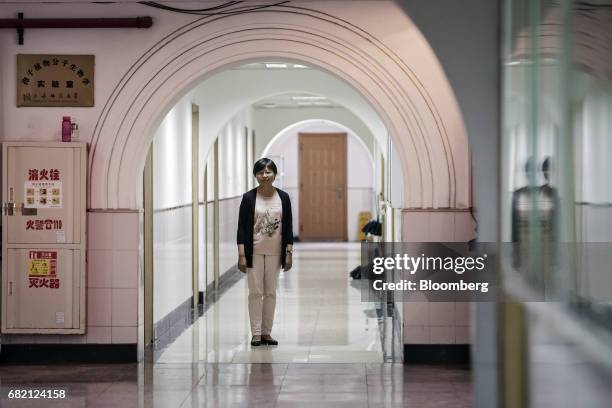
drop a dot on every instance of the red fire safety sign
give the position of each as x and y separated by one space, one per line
42 269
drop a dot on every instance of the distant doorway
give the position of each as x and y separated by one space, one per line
322 202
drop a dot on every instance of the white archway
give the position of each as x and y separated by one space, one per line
435 162
363 183
223 94
302 123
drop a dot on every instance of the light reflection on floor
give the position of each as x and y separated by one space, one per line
320 317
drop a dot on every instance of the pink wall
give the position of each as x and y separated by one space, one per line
437 322
113 271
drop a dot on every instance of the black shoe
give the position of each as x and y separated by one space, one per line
267 339
256 341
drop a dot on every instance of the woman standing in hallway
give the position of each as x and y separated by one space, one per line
265 244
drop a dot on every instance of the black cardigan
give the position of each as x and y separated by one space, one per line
246 222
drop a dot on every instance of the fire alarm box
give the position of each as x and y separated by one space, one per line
43 237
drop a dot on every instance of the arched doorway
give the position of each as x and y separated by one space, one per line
414 101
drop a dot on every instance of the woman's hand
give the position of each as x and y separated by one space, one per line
242 263
288 261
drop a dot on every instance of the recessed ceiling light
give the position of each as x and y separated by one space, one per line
268 105
304 103
275 65
299 66
308 98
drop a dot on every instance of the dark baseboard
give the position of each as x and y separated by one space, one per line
68 353
182 314
437 354
226 280
171 326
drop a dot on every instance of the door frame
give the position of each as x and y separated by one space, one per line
344 234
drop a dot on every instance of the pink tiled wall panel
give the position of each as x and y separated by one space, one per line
112 277
436 322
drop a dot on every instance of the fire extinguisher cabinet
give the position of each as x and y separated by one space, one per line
43 237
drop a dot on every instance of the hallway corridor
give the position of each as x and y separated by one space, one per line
330 355
319 317
243 385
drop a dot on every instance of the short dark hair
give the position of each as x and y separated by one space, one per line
262 164
546 164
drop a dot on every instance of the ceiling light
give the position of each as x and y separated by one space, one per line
304 103
275 65
268 105
308 98
299 66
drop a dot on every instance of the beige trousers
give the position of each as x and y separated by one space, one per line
262 279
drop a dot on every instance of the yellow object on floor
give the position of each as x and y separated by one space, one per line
364 217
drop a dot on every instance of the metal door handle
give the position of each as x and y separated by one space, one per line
27 210
339 192
8 208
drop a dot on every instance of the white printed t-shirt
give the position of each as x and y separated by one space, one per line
267 228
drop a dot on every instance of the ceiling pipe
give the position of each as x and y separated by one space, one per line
21 23
136 22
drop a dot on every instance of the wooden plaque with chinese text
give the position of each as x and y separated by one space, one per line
55 80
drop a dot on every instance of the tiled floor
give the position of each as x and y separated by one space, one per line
330 355
320 317
188 385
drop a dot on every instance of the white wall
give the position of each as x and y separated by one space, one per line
234 162
232 184
172 211
360 169
270 123
224 94
594 126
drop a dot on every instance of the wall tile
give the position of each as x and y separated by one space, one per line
99 231
416 313
464 227
125 269
99 307
99 268
125 231
462 335
125 335
462 313
442 334
416 334
441 314
415 227
124 307
98 334
442 226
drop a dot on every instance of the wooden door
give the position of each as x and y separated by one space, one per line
322 186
